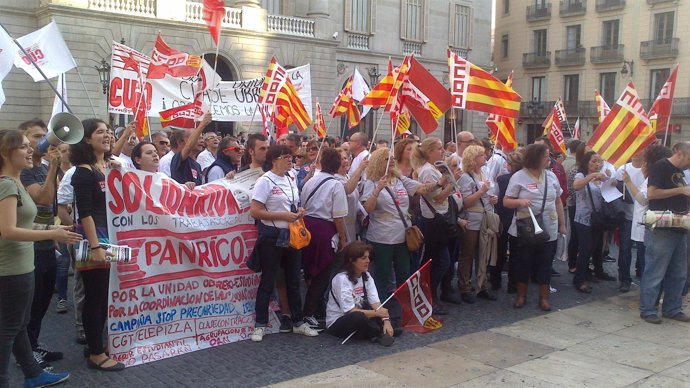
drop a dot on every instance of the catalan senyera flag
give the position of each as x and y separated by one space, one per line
273 81
559 111
415 299
474 89
140 115
401 122
345 104
602 107
502 129
183 116
426 99
385 92
660 112
290 109
214 11
167 60
624 131
555 131
319 125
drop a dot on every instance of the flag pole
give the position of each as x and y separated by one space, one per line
83 85
668 122
213 80
390 150
39 69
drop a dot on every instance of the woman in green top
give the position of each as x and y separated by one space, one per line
17 212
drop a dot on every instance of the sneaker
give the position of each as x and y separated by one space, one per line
653 318
680 317
314 324
45 379
305 329
81 337
608 259
61 307
258 334
285 324
45 365
47 354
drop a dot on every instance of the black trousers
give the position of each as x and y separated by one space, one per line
535 259
45 275
95 312
367 328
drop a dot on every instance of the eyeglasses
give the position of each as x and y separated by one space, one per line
164 143
233 149
310 149
286 157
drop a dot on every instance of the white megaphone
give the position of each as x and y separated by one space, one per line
63 128
537 228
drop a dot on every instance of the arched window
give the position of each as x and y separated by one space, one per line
227 73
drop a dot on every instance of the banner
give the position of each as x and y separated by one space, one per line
232 100
58 105
48 50
187 286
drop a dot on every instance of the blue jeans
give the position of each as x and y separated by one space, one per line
624 252
665 261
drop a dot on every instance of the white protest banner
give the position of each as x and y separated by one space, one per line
232 100
58 105
48 50
187 286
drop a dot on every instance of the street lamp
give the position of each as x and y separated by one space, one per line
103 69
626 64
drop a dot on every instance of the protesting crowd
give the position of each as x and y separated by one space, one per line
374 216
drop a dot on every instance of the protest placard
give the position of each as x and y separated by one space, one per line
187 286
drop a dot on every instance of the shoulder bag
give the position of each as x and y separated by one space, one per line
413 236
525 226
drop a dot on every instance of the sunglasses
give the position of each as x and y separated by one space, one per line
235 149
164 143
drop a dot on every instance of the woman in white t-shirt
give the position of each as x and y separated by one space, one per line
474 186
434 203
350 183
526 191
353 302
587 185
275 203
384 198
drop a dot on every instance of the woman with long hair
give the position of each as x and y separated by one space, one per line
353 302
403 156
474 186
385 196
434 204
275 203
90 156
350 183
17 213
537 189
587 185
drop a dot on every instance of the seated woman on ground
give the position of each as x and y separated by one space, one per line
353 303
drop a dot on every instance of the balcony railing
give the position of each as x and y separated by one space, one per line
129 7
290 25
538 60
358 41
609 5
654 49
572 8
461 52
571 57
538 12
681 108
652 2
412 48
195 14
606 54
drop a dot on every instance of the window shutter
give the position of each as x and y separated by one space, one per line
425 21
347 22
403 19
372 17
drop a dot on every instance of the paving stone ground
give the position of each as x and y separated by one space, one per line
281 358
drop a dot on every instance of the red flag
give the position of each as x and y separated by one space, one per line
214 11
660 111
415 299
438 99
555 131
140 116
167 60
182 116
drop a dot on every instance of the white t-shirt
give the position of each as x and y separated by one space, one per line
65 191
205 159
428 173
164 163
277 193
357 160
349 296
583 204
496 166
214 174
639 209
523 185
385 225
125 160
329 202
636 177
467 188
352 209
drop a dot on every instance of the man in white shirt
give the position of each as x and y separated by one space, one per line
208 156
125 154
358 150
465 139
161 142
165 161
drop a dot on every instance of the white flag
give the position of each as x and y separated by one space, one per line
7 53
48 50
359 90
61 87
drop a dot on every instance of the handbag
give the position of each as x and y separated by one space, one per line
609 217
448 220
413 236
525 226
299 235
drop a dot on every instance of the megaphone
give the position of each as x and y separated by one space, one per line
63 128
537 228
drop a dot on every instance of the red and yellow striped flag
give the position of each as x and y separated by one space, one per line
602 107
624 131
502 129
474 89
385 92
289 108
319 125
402 123
559 111
345 104
555 131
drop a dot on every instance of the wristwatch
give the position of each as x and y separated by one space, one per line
100 246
